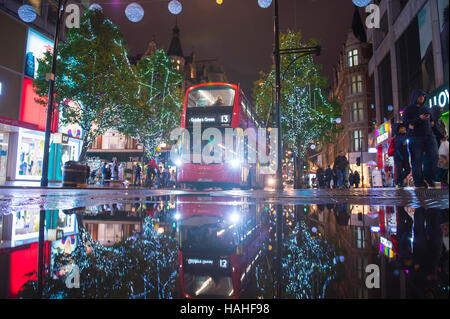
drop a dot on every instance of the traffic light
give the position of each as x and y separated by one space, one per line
358 161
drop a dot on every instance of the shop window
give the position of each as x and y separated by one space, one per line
443 28
353 58
30 155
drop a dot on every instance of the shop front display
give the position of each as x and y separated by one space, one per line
385 163
30 155
4 139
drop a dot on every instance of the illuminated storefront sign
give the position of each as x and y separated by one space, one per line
382 133
386 247
439 97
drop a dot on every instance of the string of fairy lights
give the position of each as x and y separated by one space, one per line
133 11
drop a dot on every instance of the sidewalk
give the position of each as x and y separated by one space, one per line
37 185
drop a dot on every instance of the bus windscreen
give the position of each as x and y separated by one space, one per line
211 95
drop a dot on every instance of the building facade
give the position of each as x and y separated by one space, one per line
22 119
410 51
351 88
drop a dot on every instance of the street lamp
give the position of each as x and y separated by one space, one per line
51 78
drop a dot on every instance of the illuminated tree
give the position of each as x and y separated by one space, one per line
307 116
92 70
155 107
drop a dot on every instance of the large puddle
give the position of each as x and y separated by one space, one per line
225 247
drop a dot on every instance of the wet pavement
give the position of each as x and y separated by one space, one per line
160 244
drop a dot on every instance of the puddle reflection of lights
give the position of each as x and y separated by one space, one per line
220 233
234 217
203 286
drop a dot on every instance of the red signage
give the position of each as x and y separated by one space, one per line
33 112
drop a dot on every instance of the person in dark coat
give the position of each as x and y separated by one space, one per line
422 140
356 179
328 176
340 164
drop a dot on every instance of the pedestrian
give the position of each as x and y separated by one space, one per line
137 175
320 177
173 179
108 172
104 168
437 125
356 179
115 170
421 140
121 172
335 179
350 178
93 174
152 172
328 176
340 164
442 170
88 173
401 156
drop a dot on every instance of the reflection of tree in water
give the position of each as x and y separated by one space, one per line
142 266
308 265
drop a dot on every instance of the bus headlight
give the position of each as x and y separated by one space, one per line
235 163
178 162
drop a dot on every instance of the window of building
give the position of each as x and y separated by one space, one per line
357 84
358 139
385 83
360 237
353 58
112 140
415 57
443 28
357 111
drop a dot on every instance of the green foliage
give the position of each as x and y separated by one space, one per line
307 117
154 109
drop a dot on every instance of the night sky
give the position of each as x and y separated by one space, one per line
238 33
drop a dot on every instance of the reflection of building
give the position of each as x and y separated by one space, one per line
410 51
22 119
351 88
348 226
19 234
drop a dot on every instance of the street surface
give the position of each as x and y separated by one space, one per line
19 198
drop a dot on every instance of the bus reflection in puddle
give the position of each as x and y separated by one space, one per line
219 244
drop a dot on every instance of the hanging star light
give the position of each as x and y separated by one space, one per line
134 12
27 13
264 3
175 7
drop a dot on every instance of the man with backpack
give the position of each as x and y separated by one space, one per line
401 155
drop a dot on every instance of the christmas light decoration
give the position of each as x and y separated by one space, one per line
175 7
264 3
134 12
27 13
361 3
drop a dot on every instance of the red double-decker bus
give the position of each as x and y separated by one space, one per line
221 106
220 243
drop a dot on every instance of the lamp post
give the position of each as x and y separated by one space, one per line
50 109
